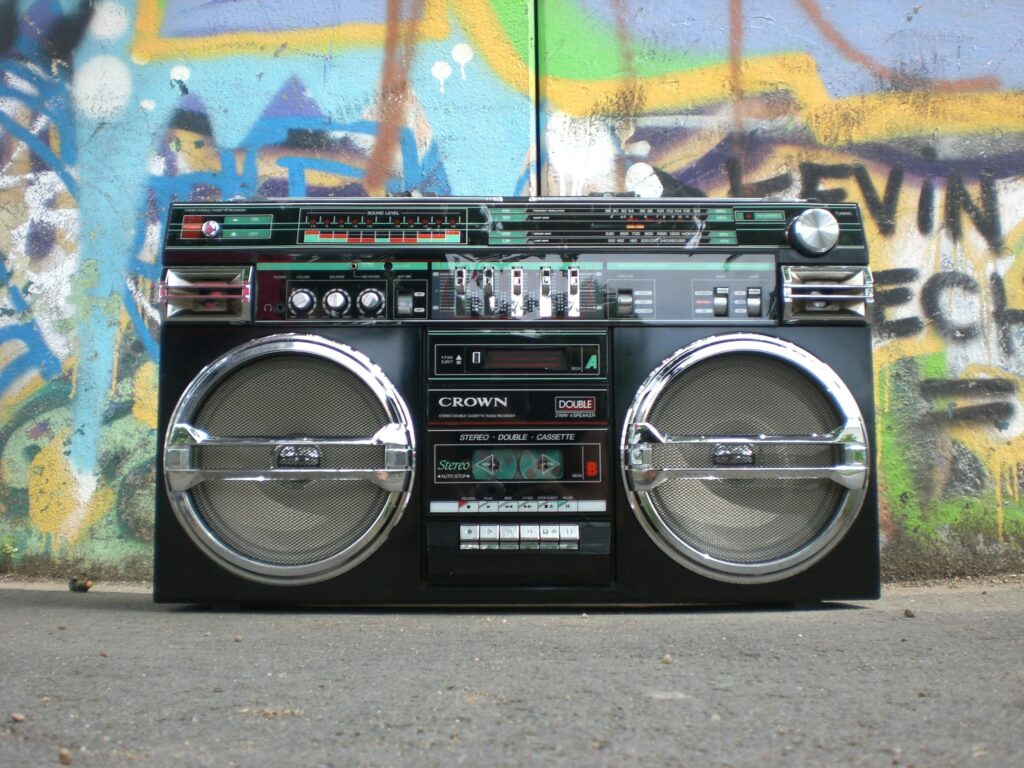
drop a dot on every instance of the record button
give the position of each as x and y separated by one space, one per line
469 533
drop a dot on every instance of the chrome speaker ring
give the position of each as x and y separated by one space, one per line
396 439
640 477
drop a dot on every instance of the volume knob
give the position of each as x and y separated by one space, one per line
301 301
336 302
814 232
370 302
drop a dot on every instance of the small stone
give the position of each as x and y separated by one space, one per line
64 756
909 613
104 654
715 717
17 717
238 638
666 659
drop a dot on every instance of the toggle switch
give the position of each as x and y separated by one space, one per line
753 302
461 305
545 292
720 302
572 297
404 305
517 302
624 302
490 300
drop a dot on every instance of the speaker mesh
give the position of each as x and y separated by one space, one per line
289 522
745 521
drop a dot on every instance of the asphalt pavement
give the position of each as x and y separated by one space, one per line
927 676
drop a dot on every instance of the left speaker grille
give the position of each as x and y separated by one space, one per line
289 522
289 458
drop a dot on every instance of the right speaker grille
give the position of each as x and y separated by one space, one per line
737 453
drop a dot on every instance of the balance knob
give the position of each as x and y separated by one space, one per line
814 232
370 301
301 301
336 302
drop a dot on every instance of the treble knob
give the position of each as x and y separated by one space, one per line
814 232
301 301
370 302
336 302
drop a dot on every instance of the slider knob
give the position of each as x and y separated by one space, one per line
336 302
370 302
301 301
814 232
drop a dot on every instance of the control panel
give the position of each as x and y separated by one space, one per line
521 223
529 261
675 287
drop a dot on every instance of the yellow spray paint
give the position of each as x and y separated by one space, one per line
59 504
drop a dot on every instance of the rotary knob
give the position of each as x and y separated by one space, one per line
814 232
336 302
301 301
370 302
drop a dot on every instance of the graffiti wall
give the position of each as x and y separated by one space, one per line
914 110
110 109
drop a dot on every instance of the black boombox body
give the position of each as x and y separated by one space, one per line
515 401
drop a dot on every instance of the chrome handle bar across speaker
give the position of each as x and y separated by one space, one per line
734 457
294 458
289 459
745 458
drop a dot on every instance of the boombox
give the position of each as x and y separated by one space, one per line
515 401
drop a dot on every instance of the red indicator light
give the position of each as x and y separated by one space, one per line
590 470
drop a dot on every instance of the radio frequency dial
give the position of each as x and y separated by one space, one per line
301 301
814 232
336 302
370 302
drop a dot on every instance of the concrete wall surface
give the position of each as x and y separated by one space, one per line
111 109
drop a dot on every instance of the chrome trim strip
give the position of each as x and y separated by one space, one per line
182 285
851 287
851 474
640 477
397 436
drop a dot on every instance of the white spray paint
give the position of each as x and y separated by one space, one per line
441 71
462 54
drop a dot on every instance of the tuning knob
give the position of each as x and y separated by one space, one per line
336 302
370 302
301 301
814 232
